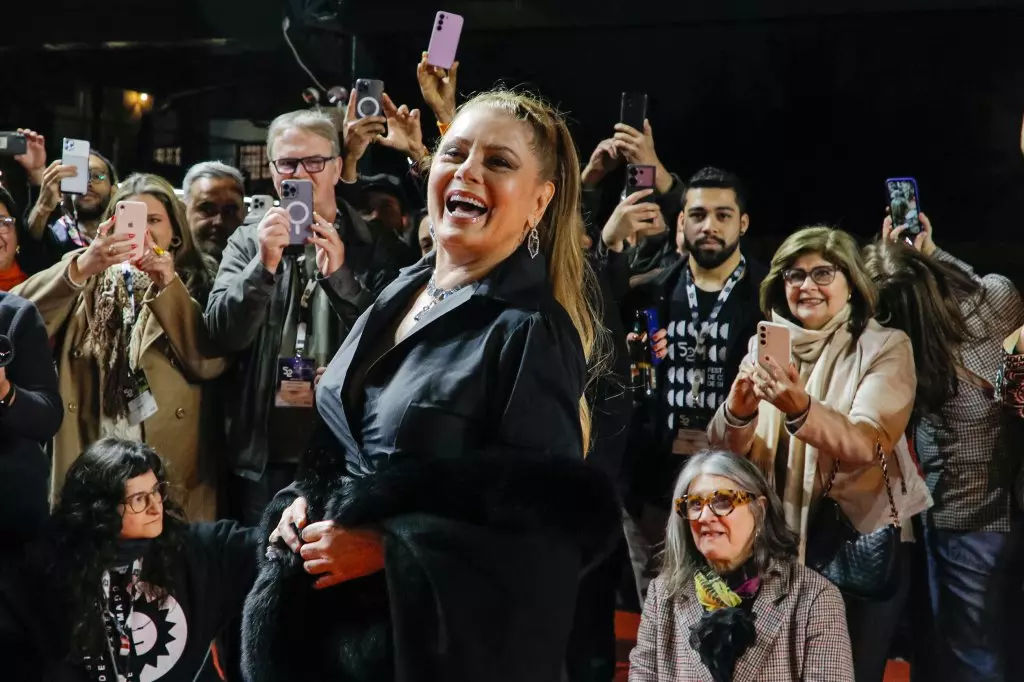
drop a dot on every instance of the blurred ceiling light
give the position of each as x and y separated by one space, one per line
137 103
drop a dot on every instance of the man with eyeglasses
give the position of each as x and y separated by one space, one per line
286 316
708 305
63 223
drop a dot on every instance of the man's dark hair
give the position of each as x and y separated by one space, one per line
111 171
717 178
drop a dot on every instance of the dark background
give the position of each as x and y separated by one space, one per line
813 106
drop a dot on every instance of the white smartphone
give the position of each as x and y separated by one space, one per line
259 204
76 153
132 219
773 343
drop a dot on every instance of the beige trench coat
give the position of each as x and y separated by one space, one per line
177 357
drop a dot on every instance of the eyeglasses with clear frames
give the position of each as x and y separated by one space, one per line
721 502
312 164
139 502
822 275
7 223
97 177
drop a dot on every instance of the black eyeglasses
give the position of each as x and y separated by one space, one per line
722 502
139 502
823 275
7 223
312 164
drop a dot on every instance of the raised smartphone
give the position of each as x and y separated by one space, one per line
653 326
132 218
12 144
633 111
639 177
369 93
259 204
444 40
297 200
904 204
76 153
774 343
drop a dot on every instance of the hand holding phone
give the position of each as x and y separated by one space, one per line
76 153
640 177
444 40
12 144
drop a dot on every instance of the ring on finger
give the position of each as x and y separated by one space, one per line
110 250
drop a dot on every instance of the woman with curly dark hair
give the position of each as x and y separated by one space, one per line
119 586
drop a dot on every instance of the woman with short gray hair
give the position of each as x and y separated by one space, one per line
732 601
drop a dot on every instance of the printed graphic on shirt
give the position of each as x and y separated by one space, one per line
159 633
696 375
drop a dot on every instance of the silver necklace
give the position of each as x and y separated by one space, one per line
436 294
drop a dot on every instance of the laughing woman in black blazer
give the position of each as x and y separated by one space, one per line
445 509
30 413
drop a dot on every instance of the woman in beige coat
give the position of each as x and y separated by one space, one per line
850 385
131 343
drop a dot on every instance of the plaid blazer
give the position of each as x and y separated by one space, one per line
801 633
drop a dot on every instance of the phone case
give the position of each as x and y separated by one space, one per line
444 40
653 326
369 93
773 341
259 204
639 177
12 144
297 200
76 153
132 219
904 203
633 110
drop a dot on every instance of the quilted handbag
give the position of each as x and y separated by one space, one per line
861 565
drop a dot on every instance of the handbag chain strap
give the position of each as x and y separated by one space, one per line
885 475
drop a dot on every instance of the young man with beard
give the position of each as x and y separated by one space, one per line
708 306
60 231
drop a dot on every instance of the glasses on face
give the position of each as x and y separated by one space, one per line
822 275
97 177
312 164
722 502
6 222
139 502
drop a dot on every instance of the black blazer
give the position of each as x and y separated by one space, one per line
28 423
499 365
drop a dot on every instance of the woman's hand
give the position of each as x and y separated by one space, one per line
659 342
742 401
782 388
291 518
157 263
438 89
330 250
404 131
106 250
337 554
923 241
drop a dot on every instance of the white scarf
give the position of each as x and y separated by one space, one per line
814 353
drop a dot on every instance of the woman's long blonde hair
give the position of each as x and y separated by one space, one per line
561 229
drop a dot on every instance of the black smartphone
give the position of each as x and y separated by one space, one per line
904 204
12 144
634 110
369 93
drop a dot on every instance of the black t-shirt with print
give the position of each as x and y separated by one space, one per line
690 409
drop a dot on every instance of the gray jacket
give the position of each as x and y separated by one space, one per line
248 314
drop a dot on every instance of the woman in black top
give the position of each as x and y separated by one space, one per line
30 413
118 586
445 498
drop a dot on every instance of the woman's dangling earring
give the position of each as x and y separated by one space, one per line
533 242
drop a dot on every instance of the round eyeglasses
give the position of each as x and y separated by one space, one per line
139 502
721 502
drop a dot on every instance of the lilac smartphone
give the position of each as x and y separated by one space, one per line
639 177
297 200
634 110
444 40
369 93
652 327
904 203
